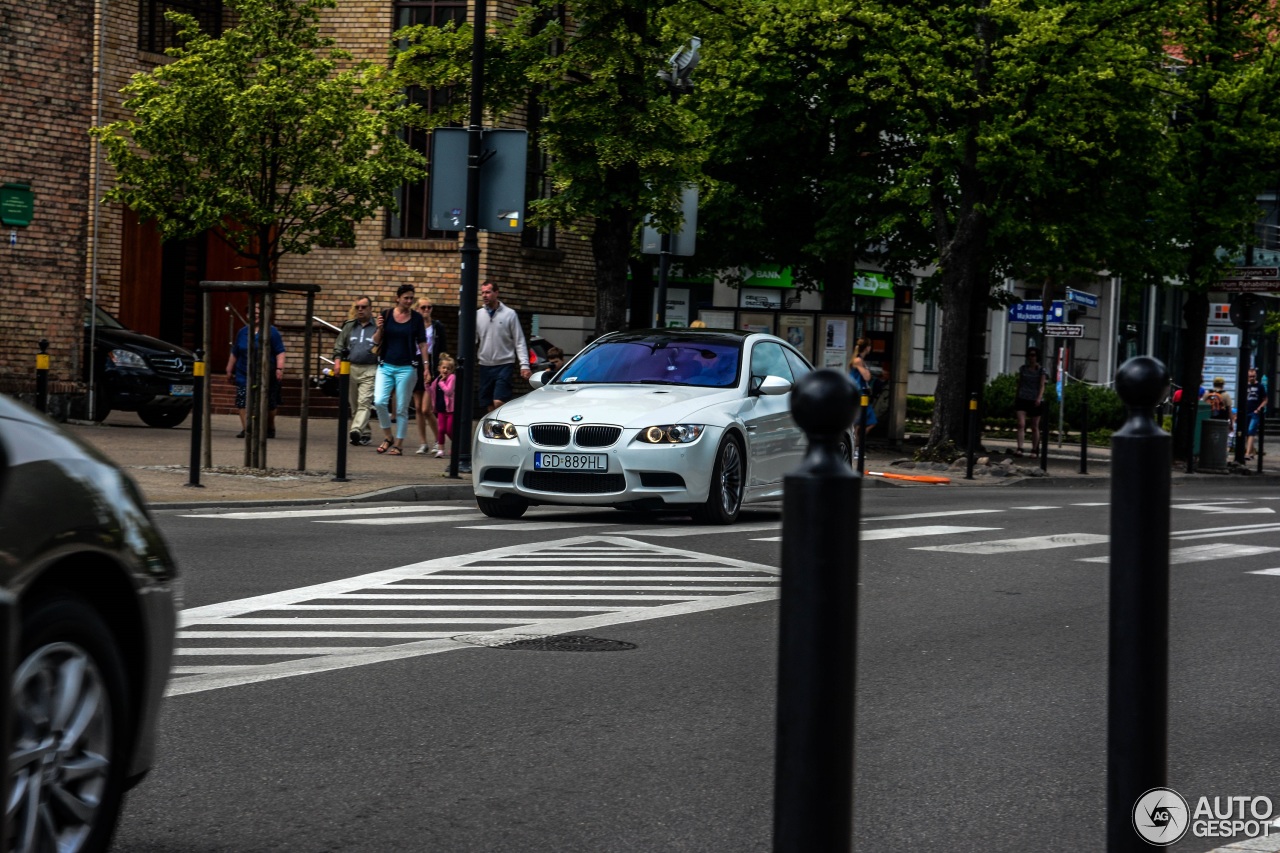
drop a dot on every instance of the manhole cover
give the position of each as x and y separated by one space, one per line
544 643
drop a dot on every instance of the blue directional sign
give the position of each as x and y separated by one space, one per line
1081 298
1033 312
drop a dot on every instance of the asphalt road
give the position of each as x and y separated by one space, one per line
982 671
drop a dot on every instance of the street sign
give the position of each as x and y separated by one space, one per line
1081 298
684 241
17 204
1033 312
1252 280
502 179
1064 330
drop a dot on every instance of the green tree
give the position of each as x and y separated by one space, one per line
619 145
1225 138
267 134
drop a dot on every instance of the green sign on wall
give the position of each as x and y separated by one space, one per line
17 204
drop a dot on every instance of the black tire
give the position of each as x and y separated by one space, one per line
728 485
101 406
163 418
66 637
504 507
846 452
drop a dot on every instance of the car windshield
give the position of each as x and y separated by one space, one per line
101 318
665 361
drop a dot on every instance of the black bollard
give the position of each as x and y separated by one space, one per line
813 780
1084 436
1137 725
864 403
42 376
1262 431
973 434
197 418
9 619
344 413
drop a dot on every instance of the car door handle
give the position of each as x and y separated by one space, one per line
751 428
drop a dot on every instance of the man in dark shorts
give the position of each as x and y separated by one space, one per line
500 344
238 372
1028 404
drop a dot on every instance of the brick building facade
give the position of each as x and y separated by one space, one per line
154 287
47 105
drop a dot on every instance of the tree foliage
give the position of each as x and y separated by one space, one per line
618 146
266 133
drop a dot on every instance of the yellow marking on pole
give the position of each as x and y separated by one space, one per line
973 405
42 361
197 369
344 368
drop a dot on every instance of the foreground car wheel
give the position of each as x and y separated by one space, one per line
163 418
70 717
724 500
507 507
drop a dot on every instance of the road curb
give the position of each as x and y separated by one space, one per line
398 494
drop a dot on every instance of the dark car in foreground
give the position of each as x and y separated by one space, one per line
138 373
95 592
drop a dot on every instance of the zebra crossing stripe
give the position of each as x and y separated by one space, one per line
903 532
1029 543
1202 553
288 616
266 515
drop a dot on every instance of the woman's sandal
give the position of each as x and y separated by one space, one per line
385 446
395 450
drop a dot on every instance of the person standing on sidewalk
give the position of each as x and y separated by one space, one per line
356 337
401 340
440 391
500 344
238 372
422 404
1029 403
1255 404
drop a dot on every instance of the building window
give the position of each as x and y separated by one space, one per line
930 336
157 33
538 182
410 220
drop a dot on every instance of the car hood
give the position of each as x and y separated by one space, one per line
622 405
137 342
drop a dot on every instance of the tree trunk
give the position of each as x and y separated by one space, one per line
1195 319
611 247
963 284
837 286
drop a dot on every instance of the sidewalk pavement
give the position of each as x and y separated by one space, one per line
159 460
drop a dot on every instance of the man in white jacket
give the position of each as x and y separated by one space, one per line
499 344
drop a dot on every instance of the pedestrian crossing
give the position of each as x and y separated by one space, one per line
590 581
545 588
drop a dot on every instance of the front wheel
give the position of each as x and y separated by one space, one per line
163 418
70 731
504 507
728 479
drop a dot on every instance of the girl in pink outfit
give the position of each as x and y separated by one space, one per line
440 391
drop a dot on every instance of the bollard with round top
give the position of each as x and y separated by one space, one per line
1138 672
813 783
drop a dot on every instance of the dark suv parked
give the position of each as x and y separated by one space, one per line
138 373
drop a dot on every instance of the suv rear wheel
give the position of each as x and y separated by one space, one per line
163 418
70 731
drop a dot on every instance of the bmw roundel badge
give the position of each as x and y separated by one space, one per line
576 418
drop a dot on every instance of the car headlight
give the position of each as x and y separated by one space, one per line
124 358
671 434
498 429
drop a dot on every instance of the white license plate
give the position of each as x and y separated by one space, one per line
590 462
181 390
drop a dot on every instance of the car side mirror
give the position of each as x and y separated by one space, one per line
773 386
537 380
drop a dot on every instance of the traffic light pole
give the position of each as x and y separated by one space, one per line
469 285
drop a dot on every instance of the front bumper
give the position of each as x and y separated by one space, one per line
130 390
638 473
